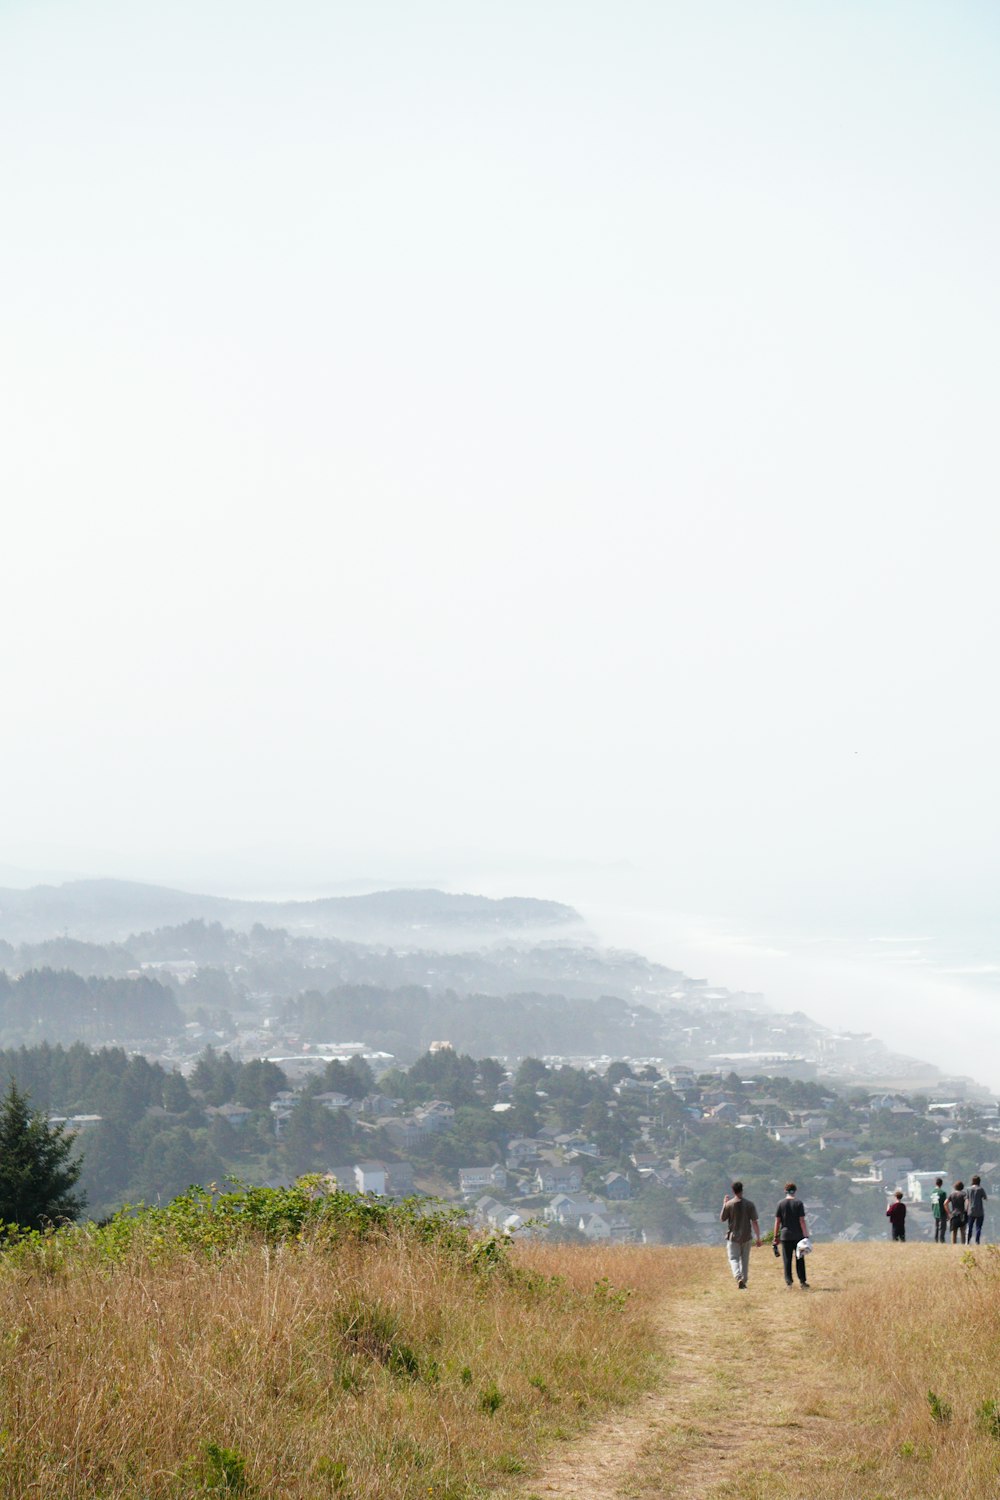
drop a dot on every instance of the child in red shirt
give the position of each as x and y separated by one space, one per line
896 1214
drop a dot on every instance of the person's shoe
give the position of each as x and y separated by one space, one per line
804 1285
742 1284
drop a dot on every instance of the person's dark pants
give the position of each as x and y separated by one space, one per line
788 1256
975 1228
941 1231
899 1231
957 1227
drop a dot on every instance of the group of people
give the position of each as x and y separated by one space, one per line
961 1211
791 1234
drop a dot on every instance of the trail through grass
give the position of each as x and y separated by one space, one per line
772 1394
265 1347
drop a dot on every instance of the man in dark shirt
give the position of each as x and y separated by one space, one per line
789 1231
741 1217
896 1214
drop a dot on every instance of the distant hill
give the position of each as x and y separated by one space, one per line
109 910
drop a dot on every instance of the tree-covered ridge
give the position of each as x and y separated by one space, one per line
44 1001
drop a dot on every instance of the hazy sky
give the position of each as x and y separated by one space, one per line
500 437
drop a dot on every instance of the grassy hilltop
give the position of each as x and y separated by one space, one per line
273 1344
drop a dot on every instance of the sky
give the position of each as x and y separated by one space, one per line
547 445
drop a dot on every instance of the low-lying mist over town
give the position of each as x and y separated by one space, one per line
487 1051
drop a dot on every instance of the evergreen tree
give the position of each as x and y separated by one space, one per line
37 1168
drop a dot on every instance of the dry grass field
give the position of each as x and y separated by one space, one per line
915 1335
402 1364
775 1394
364 1367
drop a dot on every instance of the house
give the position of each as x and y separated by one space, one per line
724 1111
557 1177
682 1079
380 1104
566 1208
617 1187
891 1170
235 1115
520 1150
645 1161
837 1140
404 1131
594 1226
281 1107
473 1180
370 1177
399 1179
333 1101
668 1177
438 1116
498 1215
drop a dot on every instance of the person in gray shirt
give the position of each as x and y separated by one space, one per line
977 1201
741 1217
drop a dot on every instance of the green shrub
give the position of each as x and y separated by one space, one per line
226 1470
491 1399
988 1417
940 1409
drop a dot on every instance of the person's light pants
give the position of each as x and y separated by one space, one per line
739 1259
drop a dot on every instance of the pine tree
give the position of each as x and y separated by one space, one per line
37 1168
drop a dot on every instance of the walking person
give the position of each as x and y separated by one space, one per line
790 1230
896 1214
938 1197
977 1202
956 1205
741 1216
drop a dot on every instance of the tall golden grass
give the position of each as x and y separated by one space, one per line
380 1368
916 1332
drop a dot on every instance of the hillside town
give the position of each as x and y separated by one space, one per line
620 1150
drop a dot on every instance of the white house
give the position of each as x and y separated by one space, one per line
920 1185
370 1177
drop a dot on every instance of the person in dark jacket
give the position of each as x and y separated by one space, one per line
790 1230
896 1214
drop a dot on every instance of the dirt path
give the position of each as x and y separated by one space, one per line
747 1407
